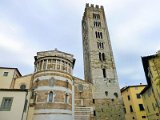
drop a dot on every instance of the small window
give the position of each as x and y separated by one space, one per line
96 33
116 95
50 96
106 93
143 116
104 73
124 110
100 56
141 108
102 45
23 87
66 98
94 113
6 103
5 74
131 109
129 97
138 96
93 101
103 56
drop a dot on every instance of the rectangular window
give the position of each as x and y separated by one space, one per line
5 74
129 97
94 112
138 96
104 73
143 116
6 103
131 109
125 110
141 108
93 101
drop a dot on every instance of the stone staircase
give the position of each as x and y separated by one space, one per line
83 113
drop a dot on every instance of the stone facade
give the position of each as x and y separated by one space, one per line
52 85
83 101
99 66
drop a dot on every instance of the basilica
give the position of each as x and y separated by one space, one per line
51 92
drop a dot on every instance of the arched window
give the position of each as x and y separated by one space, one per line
104 72
103 56
116 94
50 96
96 34
100 56
66 100
101 36
102 45
106 93
23 87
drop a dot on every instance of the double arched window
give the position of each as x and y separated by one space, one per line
101 56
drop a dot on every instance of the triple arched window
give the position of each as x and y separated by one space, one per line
99 35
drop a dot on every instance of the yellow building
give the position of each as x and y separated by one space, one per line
13 104
151 94
23 82
8 76
133 103
14 96
150 103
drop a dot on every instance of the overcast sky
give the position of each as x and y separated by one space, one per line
29 26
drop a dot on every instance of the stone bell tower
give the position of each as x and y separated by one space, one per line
99 66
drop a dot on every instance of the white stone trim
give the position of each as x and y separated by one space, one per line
53 111
43 88
55 77
52 102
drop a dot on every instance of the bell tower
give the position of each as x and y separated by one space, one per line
99 65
